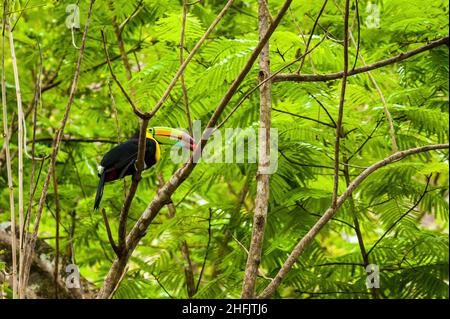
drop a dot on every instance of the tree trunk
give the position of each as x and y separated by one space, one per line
262 178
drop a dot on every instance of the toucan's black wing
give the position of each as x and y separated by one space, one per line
120 156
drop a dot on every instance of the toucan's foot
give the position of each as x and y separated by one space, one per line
135 167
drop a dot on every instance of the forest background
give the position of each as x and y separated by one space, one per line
357 90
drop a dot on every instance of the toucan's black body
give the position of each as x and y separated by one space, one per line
120 161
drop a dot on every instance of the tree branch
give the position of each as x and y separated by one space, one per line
206 252
136 111
6 141
304 117
289 263
190 283
337 75
139 229
311 35
183 84
189 58
341 109
403 216
20 146
109 233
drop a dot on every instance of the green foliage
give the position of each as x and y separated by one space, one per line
412 257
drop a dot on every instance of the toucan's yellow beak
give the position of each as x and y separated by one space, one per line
171 136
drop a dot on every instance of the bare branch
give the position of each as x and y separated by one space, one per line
189 273
337 75
311 35
133 188
20 138
206 251
136 111
6 141
37 99
57 221
269 78
403 215
289 263
108 232
341 109
304 117
183 84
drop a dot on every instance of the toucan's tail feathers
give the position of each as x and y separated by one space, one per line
98 196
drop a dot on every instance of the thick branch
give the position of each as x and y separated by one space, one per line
289 263
180 175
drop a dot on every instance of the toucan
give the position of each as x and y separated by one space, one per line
120 161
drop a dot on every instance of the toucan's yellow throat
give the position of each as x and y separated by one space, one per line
157 147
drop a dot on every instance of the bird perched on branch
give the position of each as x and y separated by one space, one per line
120 161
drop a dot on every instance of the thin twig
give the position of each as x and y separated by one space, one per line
311 35
57 221
304 117
269 78
324 108
162 286
365 141
189 58
402 216
116 117
136 10
357 228
206 252
37 99
136 111
108 232
341 109
183 84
